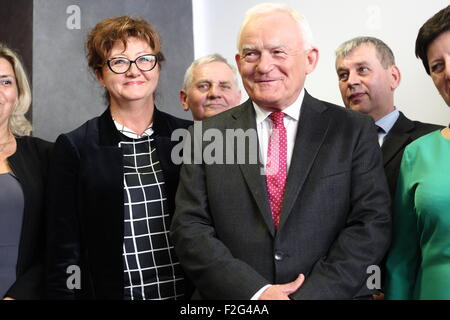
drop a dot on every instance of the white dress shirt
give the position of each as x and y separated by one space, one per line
386 123
264 128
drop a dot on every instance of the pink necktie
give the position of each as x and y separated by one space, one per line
276 165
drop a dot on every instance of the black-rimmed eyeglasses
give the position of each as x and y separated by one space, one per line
120 65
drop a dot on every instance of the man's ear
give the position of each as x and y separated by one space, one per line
312 57
237 58
396 77
183 100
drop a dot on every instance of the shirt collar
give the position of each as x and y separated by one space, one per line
292 111
388 121
130 133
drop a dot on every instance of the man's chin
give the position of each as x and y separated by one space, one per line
214 109
268 103
357 107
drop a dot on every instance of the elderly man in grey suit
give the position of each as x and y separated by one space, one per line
316 220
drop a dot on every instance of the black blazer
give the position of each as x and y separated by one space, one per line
85 221
29 164
335 219
402 133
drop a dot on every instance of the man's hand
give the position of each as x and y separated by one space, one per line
282 291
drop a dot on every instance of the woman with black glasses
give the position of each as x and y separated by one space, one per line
113 183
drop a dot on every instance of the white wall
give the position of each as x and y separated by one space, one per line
396 22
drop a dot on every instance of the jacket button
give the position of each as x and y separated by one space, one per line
278 256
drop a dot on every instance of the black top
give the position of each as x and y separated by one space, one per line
29 164
86 210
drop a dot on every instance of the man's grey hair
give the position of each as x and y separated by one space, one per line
264 8
215 57
384 53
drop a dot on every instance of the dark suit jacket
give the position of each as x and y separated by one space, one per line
29 164
335 220
86 219
402 133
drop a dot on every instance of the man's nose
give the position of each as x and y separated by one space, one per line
353 79
265 63
214 91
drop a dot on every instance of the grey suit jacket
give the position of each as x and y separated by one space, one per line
335 220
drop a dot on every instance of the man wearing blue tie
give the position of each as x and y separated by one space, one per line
368 78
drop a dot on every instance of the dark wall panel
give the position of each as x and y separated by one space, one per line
16 30
65 93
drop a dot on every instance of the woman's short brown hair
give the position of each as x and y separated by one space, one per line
107 32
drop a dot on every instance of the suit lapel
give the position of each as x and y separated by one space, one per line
397 138
311 132
245 119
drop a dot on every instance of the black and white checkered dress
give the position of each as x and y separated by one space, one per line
151 269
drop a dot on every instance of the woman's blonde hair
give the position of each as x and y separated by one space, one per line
18 125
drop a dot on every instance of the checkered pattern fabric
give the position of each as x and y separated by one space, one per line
151 269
